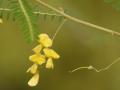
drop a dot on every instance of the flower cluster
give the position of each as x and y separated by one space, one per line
43 54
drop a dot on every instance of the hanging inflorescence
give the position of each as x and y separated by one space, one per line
43 54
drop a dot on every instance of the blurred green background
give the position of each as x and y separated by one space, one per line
77 44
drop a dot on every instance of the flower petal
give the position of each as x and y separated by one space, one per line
43 35
41 59
49 64
51 53
37 58
1 21
34 80
33 69
37 49
45 40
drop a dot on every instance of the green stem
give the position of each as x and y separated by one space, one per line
78 20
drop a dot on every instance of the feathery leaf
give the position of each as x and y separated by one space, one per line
24 15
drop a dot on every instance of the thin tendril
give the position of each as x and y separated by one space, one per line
97 70
59 28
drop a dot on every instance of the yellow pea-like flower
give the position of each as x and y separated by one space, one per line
1 21
50 53
49 64
45 40
34 80
43 35
33 68
37 49
37 58
42 52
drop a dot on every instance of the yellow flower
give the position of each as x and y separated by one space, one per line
37 58
49 64
42 51
33 68
37 49
34 80
45 40
1 21
51 53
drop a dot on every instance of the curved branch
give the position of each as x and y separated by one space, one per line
78 20
4 9
35 12
95 69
